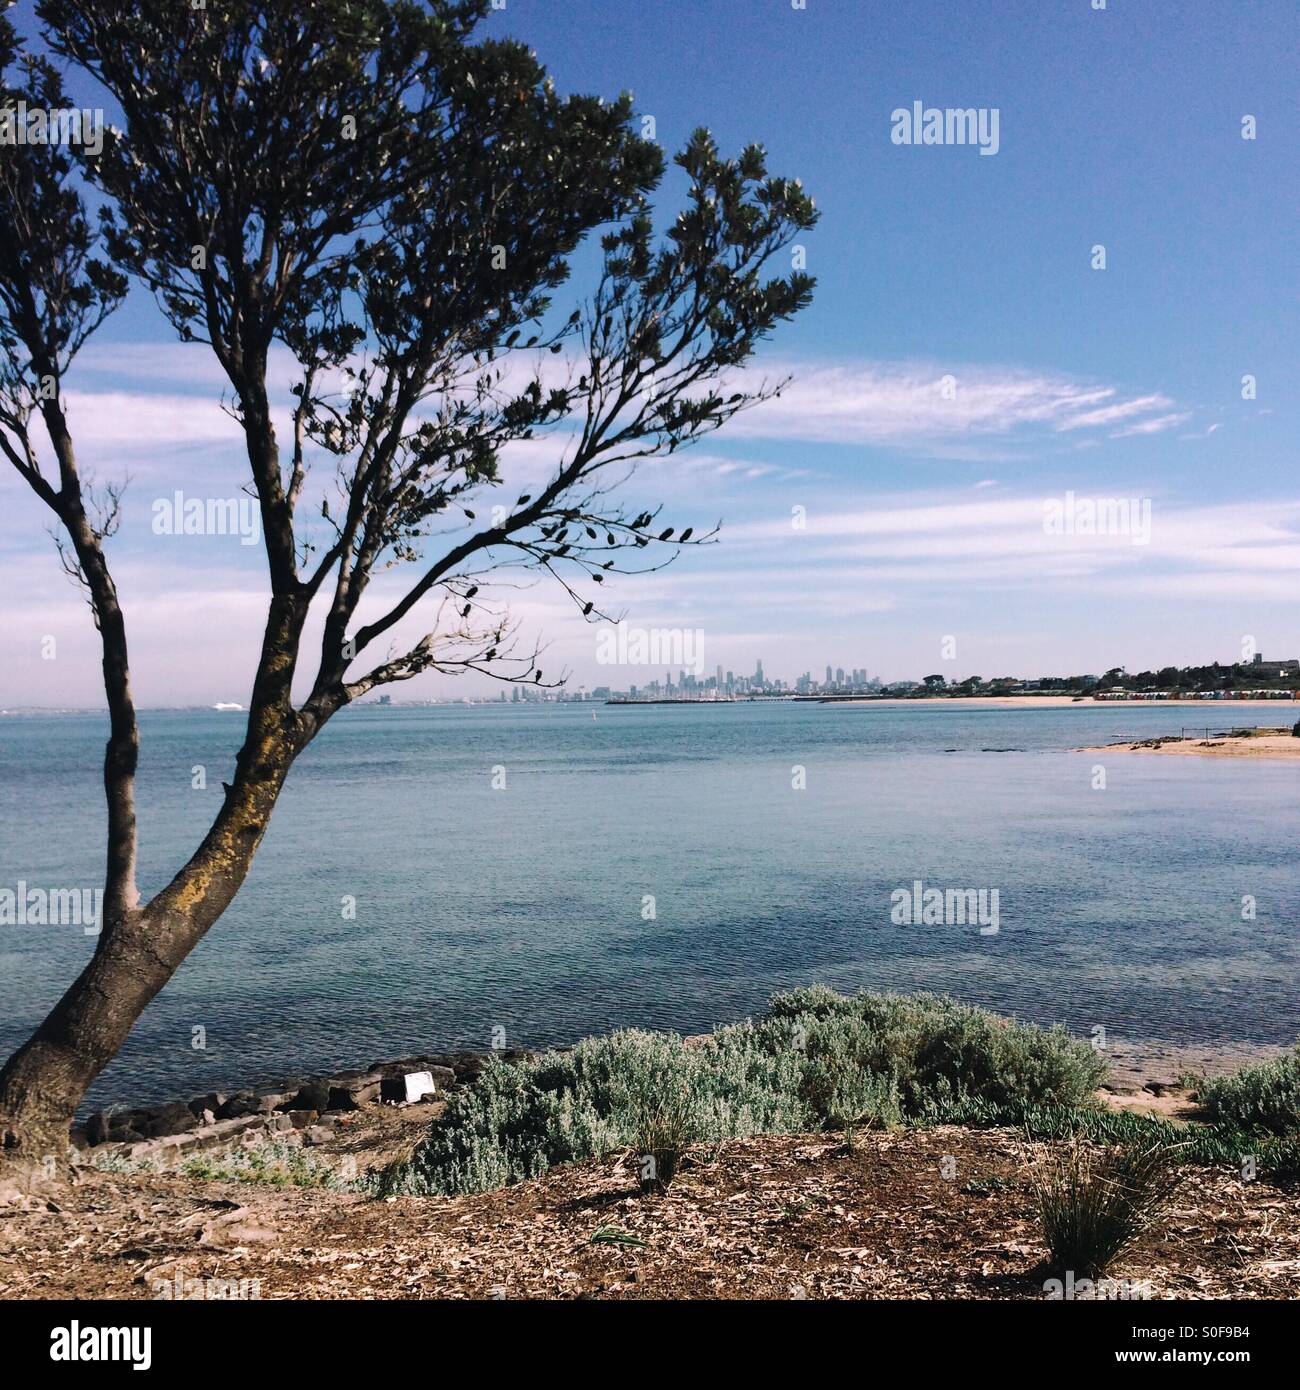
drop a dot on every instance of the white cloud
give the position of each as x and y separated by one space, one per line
919 403
1153 426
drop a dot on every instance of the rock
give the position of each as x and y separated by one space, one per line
276 1097
213 1101
237 1105
311 1095
302 1119
122 1126
317 1134
403 1064
223 1131
469 1065
350 1090
169 1119
408 1086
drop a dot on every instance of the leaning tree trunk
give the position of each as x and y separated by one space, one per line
138 952
43 1082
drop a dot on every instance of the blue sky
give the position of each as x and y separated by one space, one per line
1119 127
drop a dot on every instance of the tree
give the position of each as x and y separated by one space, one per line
935 682
356 182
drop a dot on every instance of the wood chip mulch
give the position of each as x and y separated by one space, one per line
773 1217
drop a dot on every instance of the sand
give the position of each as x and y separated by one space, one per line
1262 747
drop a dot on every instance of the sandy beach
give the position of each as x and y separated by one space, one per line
1271 747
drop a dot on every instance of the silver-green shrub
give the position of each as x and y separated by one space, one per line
940 1051
816 1060
607 1094
1265 1096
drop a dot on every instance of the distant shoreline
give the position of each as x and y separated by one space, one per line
866 701
978 702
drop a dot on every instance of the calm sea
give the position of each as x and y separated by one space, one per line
524 909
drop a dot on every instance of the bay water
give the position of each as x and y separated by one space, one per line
453 876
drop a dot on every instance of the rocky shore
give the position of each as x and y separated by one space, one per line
309 1107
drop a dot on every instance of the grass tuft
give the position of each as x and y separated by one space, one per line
1095 1204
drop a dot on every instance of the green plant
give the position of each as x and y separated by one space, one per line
1095 1203
269 1161
816 1060
1265 1096
663 1124
939 1050
611 1235
842 1082
1212 1145
647 1092
984 1187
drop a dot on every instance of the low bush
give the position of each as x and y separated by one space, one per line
1264 1097
816 1060
843 1084
648 1092
272 1162
938 1050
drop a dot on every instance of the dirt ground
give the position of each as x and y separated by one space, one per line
941 1213
772 1217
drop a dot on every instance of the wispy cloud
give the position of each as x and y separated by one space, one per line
955 539
1153 426
919 404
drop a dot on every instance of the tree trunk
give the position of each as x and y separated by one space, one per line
138 952
43 1082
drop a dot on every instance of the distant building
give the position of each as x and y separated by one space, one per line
1270 670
